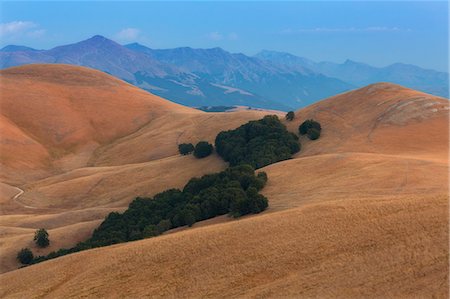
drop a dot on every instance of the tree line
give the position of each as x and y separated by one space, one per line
234 191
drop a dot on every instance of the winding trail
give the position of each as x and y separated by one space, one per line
16 197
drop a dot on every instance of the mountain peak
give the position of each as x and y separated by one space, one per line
98 37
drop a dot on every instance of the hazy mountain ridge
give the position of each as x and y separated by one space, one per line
194 77
277 83
361 74
214 77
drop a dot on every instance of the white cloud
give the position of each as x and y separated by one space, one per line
344 30
17 28
128 34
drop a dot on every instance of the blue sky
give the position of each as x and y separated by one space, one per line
378 33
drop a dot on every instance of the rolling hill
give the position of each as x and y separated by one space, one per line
360 212
78 140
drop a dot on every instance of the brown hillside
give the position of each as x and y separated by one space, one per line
380 118
361 212
59 121
353 249
57 111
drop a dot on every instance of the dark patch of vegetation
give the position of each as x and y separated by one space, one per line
185 148
308 124
233 191
203 149
313 133
216 108
257 143
290 115
311 128
41 238
25 256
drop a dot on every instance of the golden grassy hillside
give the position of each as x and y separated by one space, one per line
352 249
360 212
56 118
380 118
80 143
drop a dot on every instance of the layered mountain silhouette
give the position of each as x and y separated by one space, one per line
213 77
361 74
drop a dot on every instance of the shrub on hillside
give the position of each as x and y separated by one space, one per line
185 148
25 256
309 124
313 133
257 143
290 115
41 238
203 149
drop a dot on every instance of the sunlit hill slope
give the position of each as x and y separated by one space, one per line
360 212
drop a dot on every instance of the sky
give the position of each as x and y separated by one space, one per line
378 32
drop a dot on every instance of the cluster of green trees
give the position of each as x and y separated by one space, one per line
257 143
311 128
25 255
201 150
234 191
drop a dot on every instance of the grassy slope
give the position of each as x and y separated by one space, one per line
362 211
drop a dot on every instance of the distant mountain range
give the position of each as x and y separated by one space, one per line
361 74
214 77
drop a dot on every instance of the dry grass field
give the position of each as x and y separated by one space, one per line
361 212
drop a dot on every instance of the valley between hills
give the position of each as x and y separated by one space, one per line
360 212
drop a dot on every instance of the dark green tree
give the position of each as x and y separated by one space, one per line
185 148
164 225
256 202
25 256
290 115
151 231
203 149
188 217
313 133
309 124
257 143
41 238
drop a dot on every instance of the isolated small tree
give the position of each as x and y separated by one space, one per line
309 124
290 115
203 149
185 148
313 133
25 256
41 238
